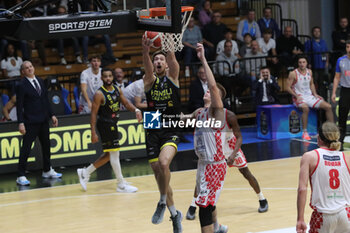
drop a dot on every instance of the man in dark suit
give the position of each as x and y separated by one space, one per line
266 88
197 90
33 113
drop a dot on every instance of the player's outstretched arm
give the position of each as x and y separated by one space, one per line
216 101
174 68
148 78
129 106
96 103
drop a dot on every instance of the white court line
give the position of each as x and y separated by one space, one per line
101 181
302 140
118 194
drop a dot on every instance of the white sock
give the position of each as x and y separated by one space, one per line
162 198
172 210
193 203
216 226
261 196
90 169
115 163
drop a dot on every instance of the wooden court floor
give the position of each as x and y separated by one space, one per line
101 209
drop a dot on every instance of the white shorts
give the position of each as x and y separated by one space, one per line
330 223
240 160
210 182
309 100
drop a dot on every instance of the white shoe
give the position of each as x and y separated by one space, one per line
79 61
125 187
51 174
84 177
22 180
63 61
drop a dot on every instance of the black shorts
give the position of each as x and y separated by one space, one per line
109 135
156 140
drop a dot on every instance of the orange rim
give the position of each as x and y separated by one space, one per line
161 11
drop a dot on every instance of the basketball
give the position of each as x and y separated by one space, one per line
155 38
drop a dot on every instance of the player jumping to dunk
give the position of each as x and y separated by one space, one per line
162 94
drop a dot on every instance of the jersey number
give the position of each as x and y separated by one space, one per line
334 181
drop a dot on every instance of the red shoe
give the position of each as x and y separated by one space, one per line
306 136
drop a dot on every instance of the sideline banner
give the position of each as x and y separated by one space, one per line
70 142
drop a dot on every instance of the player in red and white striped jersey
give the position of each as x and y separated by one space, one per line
231 147
329 173
301 86
208 144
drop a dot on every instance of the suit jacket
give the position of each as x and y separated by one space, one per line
31 107
196 95
271 91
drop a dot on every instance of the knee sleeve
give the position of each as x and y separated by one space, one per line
206 215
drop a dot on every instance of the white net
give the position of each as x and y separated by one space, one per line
173 41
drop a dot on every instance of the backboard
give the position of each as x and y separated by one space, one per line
122 17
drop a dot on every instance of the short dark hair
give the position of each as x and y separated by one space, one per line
264 67
267 31
267 8
95 56
247 34
347 42
302 57
157 53
106 69
251 10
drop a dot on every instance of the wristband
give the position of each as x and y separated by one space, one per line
137 110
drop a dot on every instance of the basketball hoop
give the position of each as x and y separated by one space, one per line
170 41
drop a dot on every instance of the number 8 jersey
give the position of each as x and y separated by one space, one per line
330 182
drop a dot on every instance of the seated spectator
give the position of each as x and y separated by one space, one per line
288 46
252 66
192 35
339 37
61 10
268 46
319 60
11 64
198 88
268 22
247 46
248 25
135 94
228 37
266 88
213 33
11 67
93 40
205 14
231 78
9 110
119 78
225 69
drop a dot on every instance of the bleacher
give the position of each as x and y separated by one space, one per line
128 49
